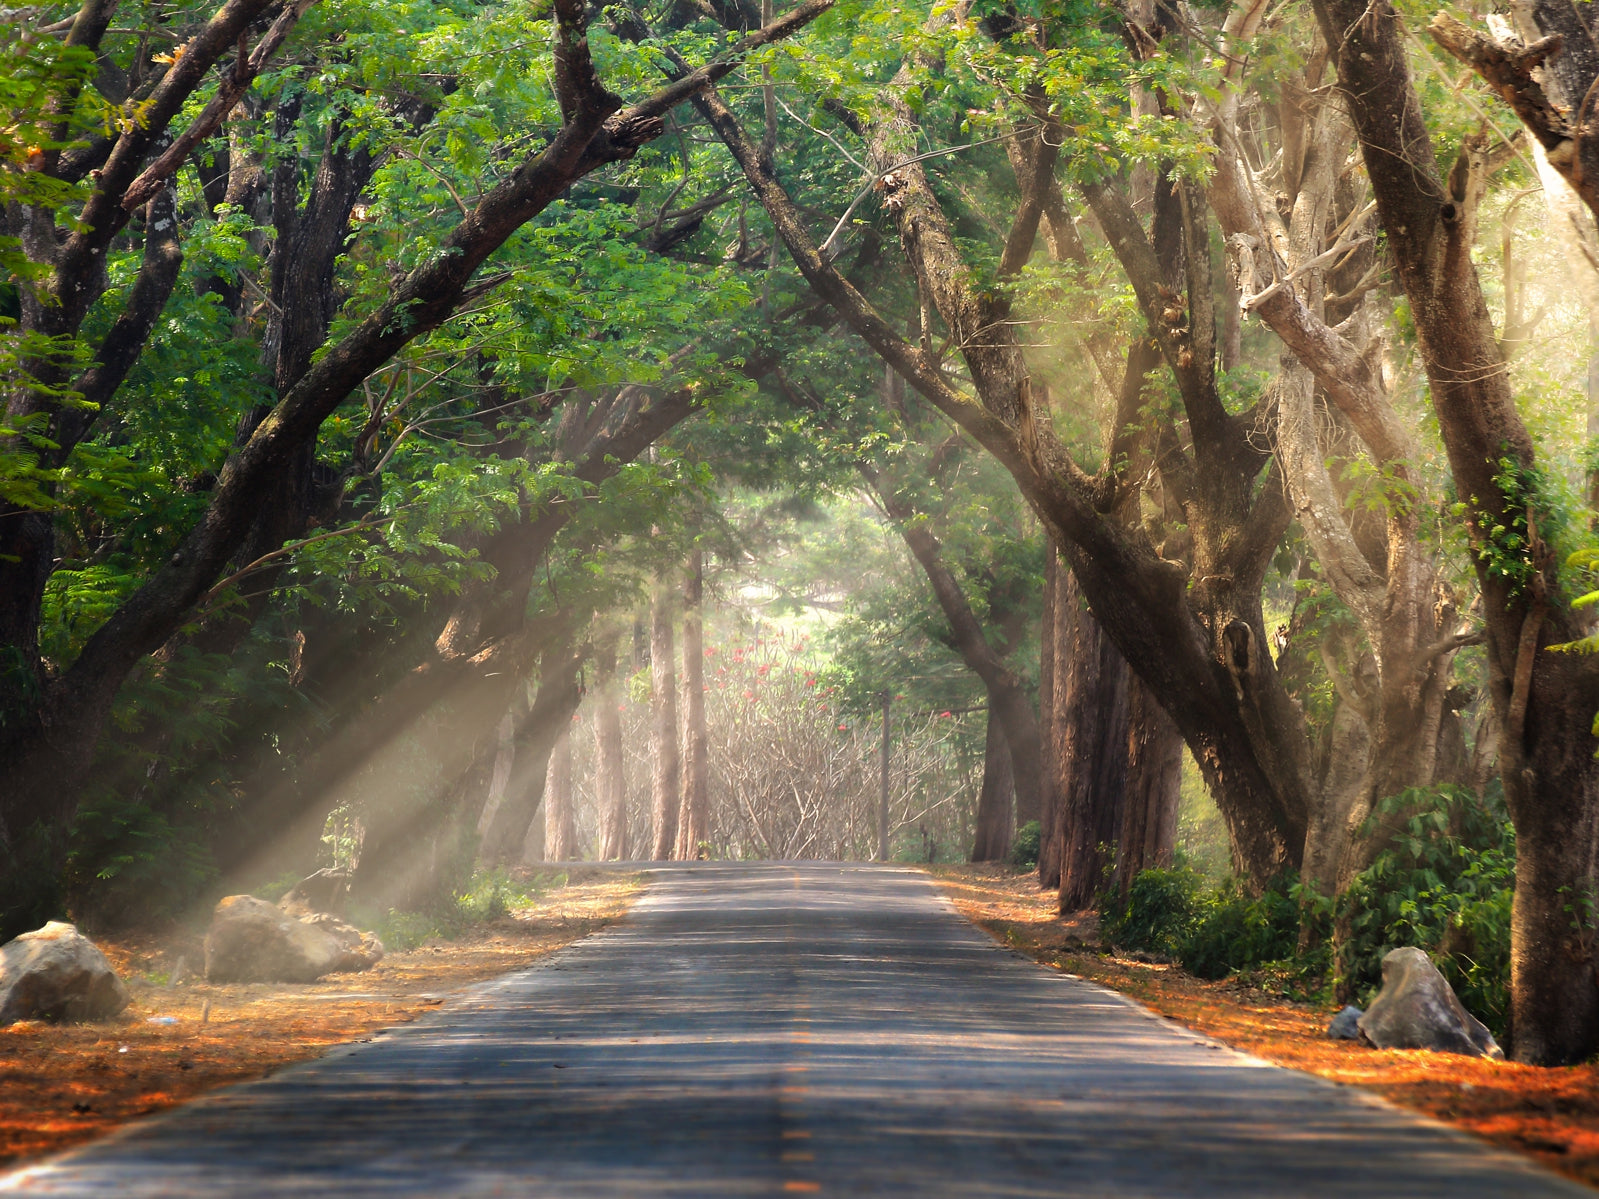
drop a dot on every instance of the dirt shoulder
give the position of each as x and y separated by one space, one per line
1549 1114
67 1083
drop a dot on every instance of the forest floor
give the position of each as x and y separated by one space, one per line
61 1084
1550 1114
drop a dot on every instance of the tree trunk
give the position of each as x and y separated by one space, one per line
1009 703
1546 700
1154 786
992 840
1050 667
560 826
1094 745
694 813
504 759
664 781
533 844
610 782
547 719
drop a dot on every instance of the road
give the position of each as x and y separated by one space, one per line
789 1029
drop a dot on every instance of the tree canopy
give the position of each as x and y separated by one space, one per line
1077 389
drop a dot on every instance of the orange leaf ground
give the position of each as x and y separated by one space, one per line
1550 1114
63 1084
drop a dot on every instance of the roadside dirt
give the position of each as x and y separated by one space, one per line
1549 1114
68 1083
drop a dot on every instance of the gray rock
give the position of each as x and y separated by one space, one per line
1345 1025
56 973
361 951
251 940
1417 1009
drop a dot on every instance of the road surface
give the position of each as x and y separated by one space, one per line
789 1029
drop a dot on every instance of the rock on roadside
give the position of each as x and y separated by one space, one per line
1345 1025
1417 1009
56 973
251 940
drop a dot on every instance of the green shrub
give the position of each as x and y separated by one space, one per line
490 895
400 931
1445 884
1211 931
1024 849
1160 913
1235 931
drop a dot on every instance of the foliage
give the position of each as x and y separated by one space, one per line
486 896
1212 931
1025 845
1444 883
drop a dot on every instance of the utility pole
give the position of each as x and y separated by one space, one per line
882 795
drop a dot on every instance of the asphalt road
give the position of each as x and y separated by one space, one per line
782 1029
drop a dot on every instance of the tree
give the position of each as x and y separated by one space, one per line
54 722
1545 699
560 829
665 758
693 812
610 787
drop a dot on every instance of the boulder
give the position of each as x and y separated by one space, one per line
361 951
56 973
1345 1025
251 940
1417 1009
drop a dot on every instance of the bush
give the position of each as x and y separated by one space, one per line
490 895
1444 884
1024 849
1211 932
1159 916
1238 932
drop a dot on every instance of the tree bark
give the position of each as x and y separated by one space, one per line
560 825
992 840
664 760
694 812
1051 673
1094 751
610 781
1154 787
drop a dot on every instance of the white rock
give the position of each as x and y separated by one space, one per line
56 973
251 940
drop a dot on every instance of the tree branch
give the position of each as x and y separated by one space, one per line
232 89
